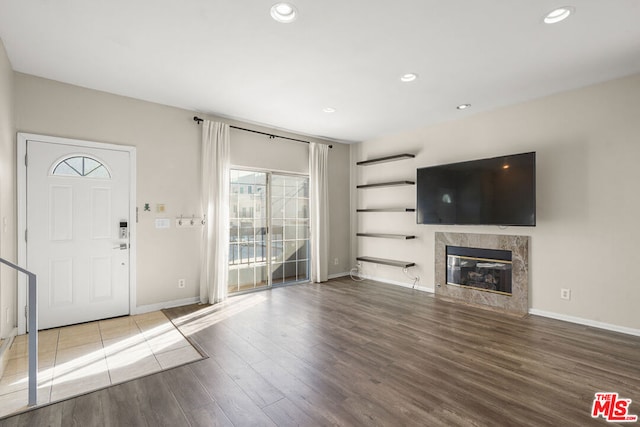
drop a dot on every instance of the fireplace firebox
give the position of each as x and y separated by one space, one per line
486 270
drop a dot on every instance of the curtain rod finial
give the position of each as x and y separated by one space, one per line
197 119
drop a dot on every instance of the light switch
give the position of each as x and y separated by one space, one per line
163 223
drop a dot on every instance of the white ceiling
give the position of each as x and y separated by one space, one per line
229 58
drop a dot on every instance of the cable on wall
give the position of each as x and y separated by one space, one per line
355 274
415 279
270 135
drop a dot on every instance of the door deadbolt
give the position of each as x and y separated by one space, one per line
124 233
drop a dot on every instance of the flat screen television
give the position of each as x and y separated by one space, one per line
495 191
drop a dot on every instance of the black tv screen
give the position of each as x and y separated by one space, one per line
496 191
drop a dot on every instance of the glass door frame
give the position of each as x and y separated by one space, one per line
290 244
268 237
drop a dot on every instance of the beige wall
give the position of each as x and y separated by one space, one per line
587 145
7 197
167 142
258 151
588 148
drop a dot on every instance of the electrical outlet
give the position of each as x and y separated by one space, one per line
181 283
336 261
565 293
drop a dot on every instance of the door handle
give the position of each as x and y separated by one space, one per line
122 247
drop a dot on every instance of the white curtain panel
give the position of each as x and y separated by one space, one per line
319 214
214 263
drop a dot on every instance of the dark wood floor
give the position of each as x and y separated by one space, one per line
347 353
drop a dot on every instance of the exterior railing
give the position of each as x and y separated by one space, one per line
33 332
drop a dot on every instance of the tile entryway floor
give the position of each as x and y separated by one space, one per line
77 359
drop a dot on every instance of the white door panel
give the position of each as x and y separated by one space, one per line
74 245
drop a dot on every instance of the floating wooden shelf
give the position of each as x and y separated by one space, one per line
385 159
387 210
391 262
386 236
386 184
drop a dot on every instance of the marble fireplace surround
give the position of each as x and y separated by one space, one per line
517 303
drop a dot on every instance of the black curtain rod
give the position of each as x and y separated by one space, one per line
271 136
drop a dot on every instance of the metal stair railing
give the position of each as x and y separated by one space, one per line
33 332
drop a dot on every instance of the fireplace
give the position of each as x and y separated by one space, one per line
487 270
497 280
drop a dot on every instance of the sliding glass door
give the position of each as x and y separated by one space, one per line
269 229
248 213
290 229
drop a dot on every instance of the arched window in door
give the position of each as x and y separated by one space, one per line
81 166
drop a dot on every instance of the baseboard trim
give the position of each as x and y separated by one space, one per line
141 309
337 275
397 283
586 322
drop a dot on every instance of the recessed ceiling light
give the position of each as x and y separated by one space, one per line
409 77
329 110
559 14
284 12
463 106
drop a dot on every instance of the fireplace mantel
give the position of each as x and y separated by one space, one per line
517 303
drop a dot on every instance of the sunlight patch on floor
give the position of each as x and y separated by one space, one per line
210 315
77 359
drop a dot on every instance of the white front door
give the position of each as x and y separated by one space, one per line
77 221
